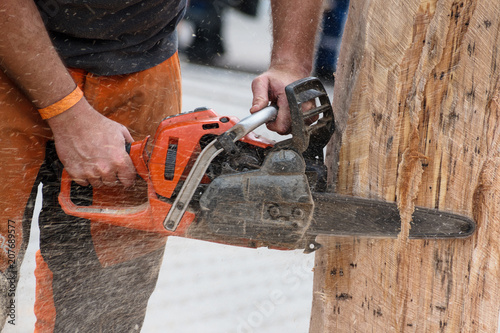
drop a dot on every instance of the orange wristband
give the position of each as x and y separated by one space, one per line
64 104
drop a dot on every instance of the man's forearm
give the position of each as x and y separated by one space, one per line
90 146
295 26
27 55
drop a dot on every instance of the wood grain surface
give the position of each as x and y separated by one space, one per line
417 111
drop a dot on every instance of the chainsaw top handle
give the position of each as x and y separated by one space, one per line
309 139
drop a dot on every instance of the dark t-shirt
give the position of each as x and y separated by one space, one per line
109 37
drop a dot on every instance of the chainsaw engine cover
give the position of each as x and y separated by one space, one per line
272 205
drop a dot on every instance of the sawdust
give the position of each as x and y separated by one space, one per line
410 176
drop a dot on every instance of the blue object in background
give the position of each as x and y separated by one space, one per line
328 49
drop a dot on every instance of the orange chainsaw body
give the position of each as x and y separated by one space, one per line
162 163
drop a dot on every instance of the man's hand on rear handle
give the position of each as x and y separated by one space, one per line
92 147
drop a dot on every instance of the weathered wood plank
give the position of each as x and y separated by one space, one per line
417 99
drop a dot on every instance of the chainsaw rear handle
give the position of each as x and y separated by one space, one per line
89 211
140 217
121 216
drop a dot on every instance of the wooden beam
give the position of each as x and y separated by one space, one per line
417 101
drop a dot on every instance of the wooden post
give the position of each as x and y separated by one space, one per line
417 98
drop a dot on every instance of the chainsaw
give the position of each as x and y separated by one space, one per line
210 177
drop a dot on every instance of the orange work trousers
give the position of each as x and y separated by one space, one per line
90 277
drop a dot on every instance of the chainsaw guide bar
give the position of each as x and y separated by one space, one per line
353 216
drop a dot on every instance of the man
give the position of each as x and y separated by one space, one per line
80 79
